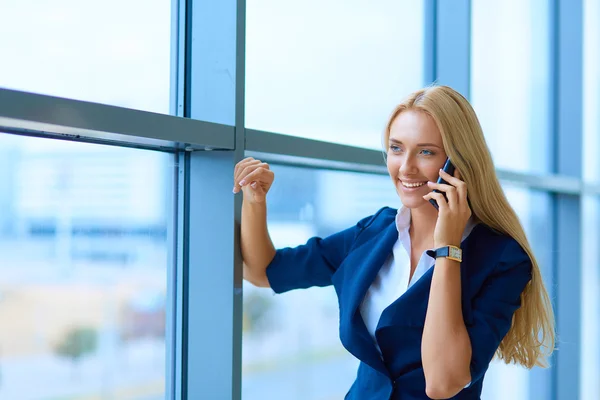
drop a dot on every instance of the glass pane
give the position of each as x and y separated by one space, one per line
291 345
510 81
509 381
83 254
591 90
330 70
114 52
590 299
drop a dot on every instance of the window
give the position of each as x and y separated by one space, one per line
329 70
291 342
83 254
591 90
590 301
533 208
112 52
510 81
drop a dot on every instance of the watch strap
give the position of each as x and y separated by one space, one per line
451 252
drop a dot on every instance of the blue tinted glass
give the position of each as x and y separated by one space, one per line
591 90
509 381
590 317
510 81
590 300
83 255
115 52
331 70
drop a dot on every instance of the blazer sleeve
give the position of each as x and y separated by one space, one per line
495 305
313 263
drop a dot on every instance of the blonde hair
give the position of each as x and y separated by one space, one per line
530 339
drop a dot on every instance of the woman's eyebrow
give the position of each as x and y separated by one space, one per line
418 145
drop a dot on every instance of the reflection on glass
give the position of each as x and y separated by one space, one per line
83 255
509 381
114 52
590 299
291 345
591 90
510 80
329 70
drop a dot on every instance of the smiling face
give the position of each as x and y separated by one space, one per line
415 155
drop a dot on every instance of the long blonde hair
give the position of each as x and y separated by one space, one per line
530 339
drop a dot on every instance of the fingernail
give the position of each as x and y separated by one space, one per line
253 185
233 190
242 182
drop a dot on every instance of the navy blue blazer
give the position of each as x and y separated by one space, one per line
494 272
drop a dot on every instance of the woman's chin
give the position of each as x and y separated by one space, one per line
413 201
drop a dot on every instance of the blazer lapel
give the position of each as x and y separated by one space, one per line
410 308
357 274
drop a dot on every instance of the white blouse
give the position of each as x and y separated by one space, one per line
392 281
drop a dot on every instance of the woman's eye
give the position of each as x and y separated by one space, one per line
427 152
395 149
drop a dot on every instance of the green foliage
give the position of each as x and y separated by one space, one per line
256 311
77 343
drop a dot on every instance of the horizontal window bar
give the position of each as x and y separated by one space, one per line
548 183
284 145
303 162
48 116
591 189
309 153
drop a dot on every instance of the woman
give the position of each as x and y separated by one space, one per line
420 332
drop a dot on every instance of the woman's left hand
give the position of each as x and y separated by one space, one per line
453 214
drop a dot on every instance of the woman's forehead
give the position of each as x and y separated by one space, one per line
414 126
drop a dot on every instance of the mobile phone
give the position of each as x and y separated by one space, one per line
449 168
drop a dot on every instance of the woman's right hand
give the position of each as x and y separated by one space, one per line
254 178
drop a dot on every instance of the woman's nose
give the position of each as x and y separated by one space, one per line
408 166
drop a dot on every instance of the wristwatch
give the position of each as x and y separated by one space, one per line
450 252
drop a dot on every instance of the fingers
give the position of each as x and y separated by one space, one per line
449 190
259 192
454 181
439 198
260 173
460 185
240 165
243 169
243 166
247 171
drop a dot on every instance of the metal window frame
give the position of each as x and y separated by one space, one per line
211 356
56 117
567 111
452 44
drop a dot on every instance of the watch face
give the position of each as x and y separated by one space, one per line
455 253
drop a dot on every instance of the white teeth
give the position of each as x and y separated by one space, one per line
413 185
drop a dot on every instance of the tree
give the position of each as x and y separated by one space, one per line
77 343
257 307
